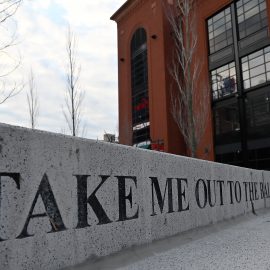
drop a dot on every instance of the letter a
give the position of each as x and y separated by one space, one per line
51 208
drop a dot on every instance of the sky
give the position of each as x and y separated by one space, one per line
41 34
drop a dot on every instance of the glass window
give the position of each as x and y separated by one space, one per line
141 136
252 22
258 114
251 15
227 120
256 68
223 81
227 123
257 80
267 57
139 82
257 71
220 30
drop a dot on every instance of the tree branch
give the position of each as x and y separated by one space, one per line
189 96
74 95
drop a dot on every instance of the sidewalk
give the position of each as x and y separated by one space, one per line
241 243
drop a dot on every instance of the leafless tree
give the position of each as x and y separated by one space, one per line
32 100
190 96
74 95
109 137
7 9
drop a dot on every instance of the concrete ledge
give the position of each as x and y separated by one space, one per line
64 200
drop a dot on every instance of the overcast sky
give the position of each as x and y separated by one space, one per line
41 38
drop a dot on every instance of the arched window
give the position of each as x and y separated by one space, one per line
139 86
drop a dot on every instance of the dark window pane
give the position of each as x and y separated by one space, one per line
219 31
264 22
241 27
251 12
230 40
223 81
227 126
254 68
263 14
141 135
263 6
242 34
251 16
139 81
239 3
252 28
249 5
219 23
218 16
258 114
221 36
211 42
220 45
212 49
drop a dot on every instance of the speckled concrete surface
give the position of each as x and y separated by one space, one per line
64 200
242 243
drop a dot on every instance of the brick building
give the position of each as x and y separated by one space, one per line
233 38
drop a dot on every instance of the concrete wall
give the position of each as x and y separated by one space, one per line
63 200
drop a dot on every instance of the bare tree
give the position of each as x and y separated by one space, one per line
7 9
32 100
74 95
109 137
190 96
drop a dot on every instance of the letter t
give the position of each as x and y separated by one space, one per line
14 176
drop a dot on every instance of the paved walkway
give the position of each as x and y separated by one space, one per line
242 243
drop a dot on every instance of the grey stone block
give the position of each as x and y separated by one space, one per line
64 200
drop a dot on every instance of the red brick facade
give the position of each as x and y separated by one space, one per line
149 14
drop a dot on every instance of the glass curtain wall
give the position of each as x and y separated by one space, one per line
239 70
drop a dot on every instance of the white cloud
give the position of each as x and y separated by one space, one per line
41 29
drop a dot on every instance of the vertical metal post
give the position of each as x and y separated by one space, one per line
241 95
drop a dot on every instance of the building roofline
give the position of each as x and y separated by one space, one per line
119 12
